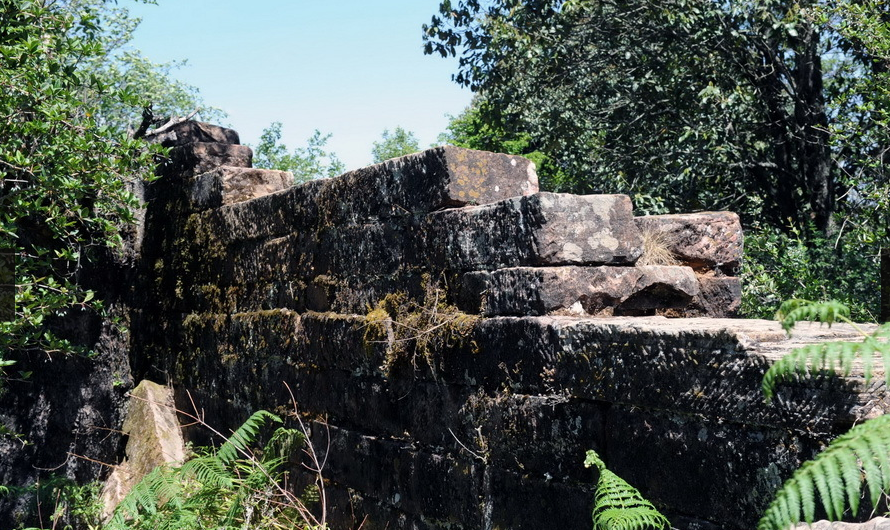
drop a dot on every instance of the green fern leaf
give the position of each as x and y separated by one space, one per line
796 310
244 435
830 357
618 505
209 471
837 475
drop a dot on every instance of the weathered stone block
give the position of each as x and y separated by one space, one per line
194 131
200 157
719 296
538 230
441 177
229 185
704 241
534 503
399 475
729 471
577 290
154 440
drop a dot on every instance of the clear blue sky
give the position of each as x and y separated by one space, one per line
347 67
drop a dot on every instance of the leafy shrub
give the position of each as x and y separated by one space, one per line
802 264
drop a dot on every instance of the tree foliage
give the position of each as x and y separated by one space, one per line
394 144
306 163
64 175
705 105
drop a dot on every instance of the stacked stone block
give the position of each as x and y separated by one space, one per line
250 283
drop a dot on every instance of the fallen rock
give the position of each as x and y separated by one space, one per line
155 440
577 290
704 241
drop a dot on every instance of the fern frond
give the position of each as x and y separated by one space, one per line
831 356
837 474
209 471
796 310
244 436
618 505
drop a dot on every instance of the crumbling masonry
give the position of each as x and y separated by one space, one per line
244 283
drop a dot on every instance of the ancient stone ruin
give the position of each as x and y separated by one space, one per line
553 324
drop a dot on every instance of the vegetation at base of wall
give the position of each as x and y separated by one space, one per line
394 144
415 330
855 463
64 503
618 505
230 487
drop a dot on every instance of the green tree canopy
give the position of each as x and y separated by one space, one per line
394 144
64 176
706 105
306 163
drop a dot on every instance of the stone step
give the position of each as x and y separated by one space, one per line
577 290
188 160
537 230
705 241
229 185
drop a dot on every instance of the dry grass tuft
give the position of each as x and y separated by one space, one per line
657 249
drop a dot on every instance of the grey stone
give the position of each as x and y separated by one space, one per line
577 290
441 177
195 158
704 241
538 230
229 185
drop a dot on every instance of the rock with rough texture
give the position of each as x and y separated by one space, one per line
878 523
194 131
719 296
538 230
704 241
577 290
200 157
441 177
154 440
230 185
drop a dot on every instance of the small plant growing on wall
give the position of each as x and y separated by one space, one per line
618 505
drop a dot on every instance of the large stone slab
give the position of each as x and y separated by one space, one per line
229 185
441 177
538 230
704 241
577 290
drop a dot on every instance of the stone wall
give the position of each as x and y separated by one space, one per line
247 284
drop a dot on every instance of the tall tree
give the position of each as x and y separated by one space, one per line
705 104
64 176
